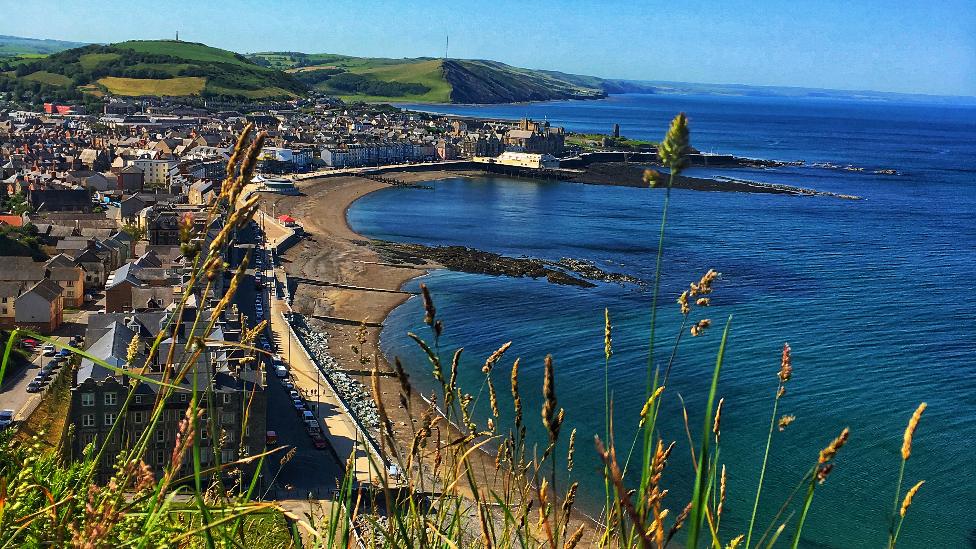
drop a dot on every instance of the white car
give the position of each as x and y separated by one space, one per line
48 350
6 418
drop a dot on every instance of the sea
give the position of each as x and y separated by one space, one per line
875 297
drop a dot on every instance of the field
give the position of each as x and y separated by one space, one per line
185 85
429 73
261 93
292 60
51 78
184 50
91 60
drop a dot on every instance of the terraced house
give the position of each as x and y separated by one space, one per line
231 390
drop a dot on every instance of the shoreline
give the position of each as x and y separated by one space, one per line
334 252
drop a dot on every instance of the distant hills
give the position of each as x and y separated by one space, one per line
147 67
433 80
16 46
60 70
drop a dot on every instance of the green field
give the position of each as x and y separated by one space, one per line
429 73
190 51
51 78
91 60
184 85
149 67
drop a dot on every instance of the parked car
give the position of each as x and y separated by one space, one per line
34 387
312 427
54 364
299 405
308 416
6 418
48 350
64 353
287 384
41 378
282 373
319 442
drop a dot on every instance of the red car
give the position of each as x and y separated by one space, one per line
319 442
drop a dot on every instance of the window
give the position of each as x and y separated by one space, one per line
138 399
70 293
111 399
203 434
227 398
182 397
227 456
88 420
160 458
160 436
137 417
87 399
88 438
109 419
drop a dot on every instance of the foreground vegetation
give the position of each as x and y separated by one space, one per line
443 498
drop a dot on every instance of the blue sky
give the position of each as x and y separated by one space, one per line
895 45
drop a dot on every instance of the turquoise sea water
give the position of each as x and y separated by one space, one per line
875 297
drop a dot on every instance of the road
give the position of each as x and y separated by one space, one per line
14 393
309 471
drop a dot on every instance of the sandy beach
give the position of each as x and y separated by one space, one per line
333 252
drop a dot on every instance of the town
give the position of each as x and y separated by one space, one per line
104 216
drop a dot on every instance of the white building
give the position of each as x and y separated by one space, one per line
279 154
522 160
156 171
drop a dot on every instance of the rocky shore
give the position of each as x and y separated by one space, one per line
356 395
632 175
566 271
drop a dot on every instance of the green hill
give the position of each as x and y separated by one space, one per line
429 80
147 67
16 46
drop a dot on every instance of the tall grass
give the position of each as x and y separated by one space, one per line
464 480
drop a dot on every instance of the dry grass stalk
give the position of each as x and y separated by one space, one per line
550 419
572 451
517 400
717 424
607 334
699 327
495 357
906 446
574 540
909 496
721 494
405 389
430 312
678 523
609 457
785 421
831 449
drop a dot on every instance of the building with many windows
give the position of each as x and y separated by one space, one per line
230 392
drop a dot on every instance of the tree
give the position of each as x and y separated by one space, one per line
135 232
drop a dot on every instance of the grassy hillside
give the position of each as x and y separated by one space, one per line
428 80
147 67
15 46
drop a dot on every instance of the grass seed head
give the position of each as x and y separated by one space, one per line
906 445
909 496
